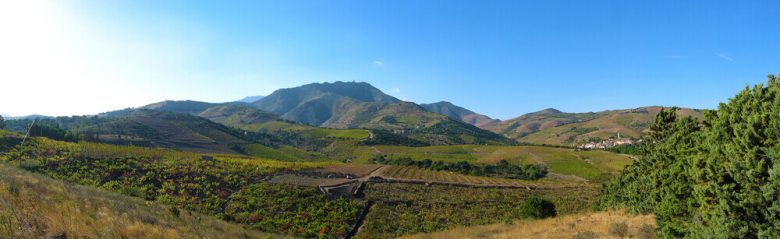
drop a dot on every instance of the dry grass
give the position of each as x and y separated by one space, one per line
35 206
599 223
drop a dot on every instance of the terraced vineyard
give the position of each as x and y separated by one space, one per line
415 174
595 166
404 209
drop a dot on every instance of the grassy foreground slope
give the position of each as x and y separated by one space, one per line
36 206
231 187
585 225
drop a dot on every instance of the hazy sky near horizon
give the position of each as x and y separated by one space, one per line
499 58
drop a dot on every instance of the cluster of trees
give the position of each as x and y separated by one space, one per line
456 132
385 137
2 122
502 169
52 131
715 178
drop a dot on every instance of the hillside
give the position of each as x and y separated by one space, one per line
181 107
36 206
554 127
533 122
250 99
584 225
165 129
236 114
349 105
318 103
459 113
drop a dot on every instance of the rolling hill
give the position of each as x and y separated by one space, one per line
536 121
166 129
459 113
231 113
181 107
554 127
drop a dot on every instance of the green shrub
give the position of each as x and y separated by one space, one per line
536 207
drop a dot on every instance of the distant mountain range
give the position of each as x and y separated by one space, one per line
359 105
340 105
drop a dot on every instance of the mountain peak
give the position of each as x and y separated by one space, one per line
316 103
250 99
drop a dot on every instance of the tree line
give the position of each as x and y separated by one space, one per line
502 169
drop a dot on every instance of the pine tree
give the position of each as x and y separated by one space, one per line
714 179
736 178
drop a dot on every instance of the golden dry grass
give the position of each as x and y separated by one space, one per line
35 206
559 227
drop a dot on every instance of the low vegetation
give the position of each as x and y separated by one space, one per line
587 225
227 187
404 209
502 169
596 166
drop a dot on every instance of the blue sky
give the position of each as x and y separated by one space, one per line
499 58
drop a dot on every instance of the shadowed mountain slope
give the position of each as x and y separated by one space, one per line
459 113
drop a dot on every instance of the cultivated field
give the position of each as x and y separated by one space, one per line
357 170
595 166
404 209
400 173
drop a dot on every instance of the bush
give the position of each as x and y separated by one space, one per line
618 229
585 235
536 207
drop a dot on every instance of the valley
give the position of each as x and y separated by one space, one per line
361 176
368 177
144 119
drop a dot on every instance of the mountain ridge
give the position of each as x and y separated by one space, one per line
459 113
